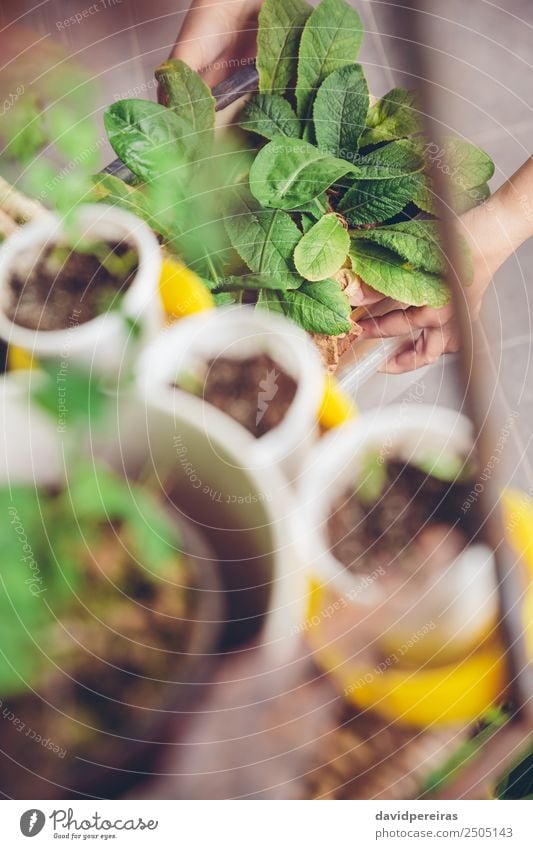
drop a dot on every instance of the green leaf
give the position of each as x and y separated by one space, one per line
142 133
340 111
265 240
396 159
472 197
112 190
254 281
467 167
71 395
331 39
97 495
288 173
386 180
188 96
445 467
280 29
268 300
323 250
270 115
372 478
370 201
387 273
318 307
419 243
395 116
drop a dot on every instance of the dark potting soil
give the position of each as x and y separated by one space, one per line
417 519
64 288
254 391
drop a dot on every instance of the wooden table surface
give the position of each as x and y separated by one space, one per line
274 728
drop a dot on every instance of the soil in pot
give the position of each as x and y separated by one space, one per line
399 516
254 391
109 666
63 287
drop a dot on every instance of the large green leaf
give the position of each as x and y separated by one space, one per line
288 173
416 242
323 249
280 28
387 273
186 93
466 164
391 160
265 240
142 133
340 111
331 39
270 115
387 179
467 167
318 307
395 116
370 201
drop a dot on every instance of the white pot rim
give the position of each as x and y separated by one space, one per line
331 465
178 345
50 226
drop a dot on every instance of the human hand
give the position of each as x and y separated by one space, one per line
217 34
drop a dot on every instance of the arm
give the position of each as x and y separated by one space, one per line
494 231
215 34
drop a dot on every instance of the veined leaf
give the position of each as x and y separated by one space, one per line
142 132
387 273
340 110
265 240
323 250
331 39
280 28
190 98
288 173
425 197
268 300
387 179
369 201
318 307
419 243
466 165
395 116
270 115
392 160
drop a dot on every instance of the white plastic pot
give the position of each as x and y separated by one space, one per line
237 332
30 447
419 621
102 343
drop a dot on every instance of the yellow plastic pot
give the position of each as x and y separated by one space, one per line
457 692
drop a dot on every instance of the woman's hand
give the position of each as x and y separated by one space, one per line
493 230
217 35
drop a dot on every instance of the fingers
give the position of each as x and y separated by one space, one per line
364 295
216 34
401 322
426 349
